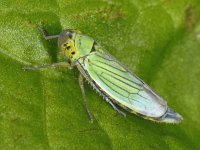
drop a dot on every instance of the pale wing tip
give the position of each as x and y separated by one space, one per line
171 117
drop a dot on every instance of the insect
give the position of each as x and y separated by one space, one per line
112 80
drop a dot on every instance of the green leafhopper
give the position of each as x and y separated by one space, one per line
112 80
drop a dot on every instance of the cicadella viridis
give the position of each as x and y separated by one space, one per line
112 80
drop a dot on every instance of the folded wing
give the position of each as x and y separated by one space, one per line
123 86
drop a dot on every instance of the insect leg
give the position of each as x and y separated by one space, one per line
115 108
81 84
59 64
45 34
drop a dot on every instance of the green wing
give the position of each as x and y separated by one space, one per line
122 85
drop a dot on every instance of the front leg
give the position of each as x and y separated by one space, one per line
46 35
59 64
81 84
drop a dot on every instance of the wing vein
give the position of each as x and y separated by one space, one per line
124 82
115 85
110 66
116 74
100 77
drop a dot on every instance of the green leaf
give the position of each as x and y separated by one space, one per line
159 40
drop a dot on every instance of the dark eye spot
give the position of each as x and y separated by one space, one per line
73 53
68 47
64 44
70 35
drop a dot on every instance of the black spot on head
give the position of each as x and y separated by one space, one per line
64 44
73 53
68 47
